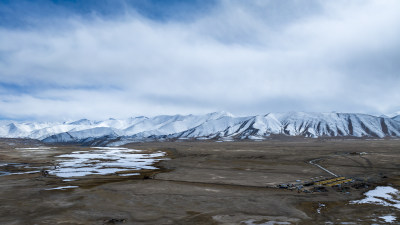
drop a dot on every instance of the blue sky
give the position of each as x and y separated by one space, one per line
96 59
23 13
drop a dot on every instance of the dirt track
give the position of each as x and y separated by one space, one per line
206 183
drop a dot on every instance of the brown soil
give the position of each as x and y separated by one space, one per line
205 183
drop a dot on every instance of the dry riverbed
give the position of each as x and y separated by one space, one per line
199 182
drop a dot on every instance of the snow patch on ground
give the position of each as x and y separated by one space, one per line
37 148
104 160
28 172
66 180
253 222
320 206
129 174
62 188
381 195
388 218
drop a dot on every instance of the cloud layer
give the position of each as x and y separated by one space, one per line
246 58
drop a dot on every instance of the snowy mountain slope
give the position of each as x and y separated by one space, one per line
164 125
81 122
20 130
337 124
77 136
301 124
139 127
213 125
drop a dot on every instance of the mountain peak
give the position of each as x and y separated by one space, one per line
81 122
220 114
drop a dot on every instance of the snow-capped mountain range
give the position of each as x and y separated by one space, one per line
217 125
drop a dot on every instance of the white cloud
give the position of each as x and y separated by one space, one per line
248 59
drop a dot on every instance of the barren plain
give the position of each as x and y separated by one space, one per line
204 182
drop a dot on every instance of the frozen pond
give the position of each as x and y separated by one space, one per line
105 160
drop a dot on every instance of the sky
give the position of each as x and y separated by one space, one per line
95 59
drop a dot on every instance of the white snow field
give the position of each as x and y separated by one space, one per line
105 160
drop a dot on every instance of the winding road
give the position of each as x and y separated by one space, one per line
313 162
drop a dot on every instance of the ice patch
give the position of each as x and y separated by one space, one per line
4 173
381 195
320 206
28 172
212 190
129 174
256 138
104 160
66 180
17 166
62 188
202 138
388 218
253 222
37 148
